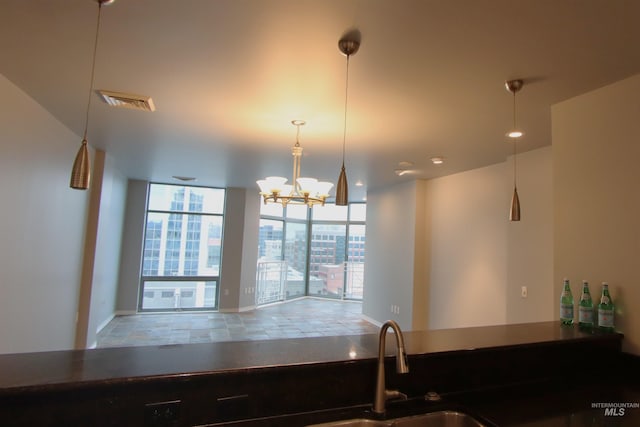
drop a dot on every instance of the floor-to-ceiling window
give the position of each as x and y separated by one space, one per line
182 248
315 252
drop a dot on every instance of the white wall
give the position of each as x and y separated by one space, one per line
132 242
43 223
596 149
106 264
390 251
239 250
469 222
249 257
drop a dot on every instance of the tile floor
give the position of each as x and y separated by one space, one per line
305 317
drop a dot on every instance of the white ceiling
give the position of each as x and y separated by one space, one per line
228 76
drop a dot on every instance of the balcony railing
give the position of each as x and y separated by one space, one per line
271 282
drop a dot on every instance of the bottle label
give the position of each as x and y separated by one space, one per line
585 315
605 318
605 299
566 311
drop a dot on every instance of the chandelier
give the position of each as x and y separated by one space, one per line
303 191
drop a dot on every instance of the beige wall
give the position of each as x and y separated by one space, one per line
468 239
530 241
42 223
596 149
456 260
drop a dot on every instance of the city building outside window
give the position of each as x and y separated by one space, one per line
311 252
182 248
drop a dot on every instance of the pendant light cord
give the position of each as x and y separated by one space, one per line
93 69
346 98
514 110
515 141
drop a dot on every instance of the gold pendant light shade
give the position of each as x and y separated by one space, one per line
348 45
81 171
514 213
80 174
342 191
514 87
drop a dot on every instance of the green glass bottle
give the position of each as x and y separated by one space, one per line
566 304
605 309
585 310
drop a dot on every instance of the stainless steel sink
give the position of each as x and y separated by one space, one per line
438 419
432 419
357 422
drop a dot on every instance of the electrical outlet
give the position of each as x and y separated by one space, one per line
161 414
524 292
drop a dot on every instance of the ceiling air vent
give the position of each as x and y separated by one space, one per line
127 100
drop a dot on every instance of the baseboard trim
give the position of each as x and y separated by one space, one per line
237 310
102 326
372 321
125 312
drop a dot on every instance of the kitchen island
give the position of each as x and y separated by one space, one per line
309 379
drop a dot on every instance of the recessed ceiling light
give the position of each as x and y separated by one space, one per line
359 183
405 165
401 172
183 178
437 160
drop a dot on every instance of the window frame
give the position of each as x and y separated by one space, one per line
310 222
143 279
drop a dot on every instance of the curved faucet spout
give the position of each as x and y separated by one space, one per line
402 366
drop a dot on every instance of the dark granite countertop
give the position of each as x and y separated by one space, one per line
68 369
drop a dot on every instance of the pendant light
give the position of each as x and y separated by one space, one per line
81 171
514 86
348 45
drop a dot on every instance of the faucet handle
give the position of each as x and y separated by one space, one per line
394 394
432 396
